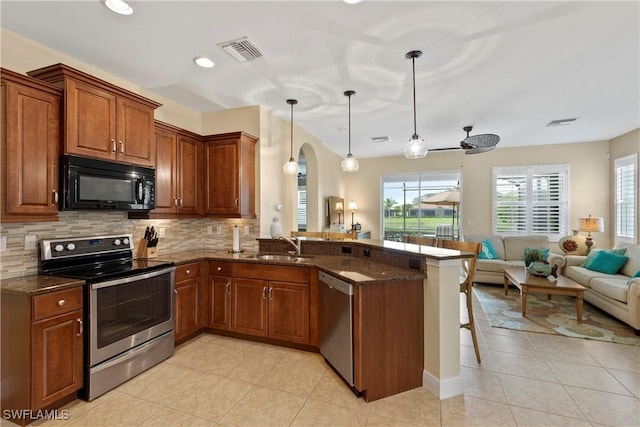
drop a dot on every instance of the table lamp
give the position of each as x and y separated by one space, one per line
339 208
590 225
352 207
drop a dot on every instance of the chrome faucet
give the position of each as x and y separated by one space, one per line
297 247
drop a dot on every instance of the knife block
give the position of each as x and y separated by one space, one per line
146 252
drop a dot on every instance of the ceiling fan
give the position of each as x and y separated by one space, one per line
474 144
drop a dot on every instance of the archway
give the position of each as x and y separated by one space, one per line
308 156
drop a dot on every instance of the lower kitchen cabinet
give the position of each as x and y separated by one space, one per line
270 301
42 351
186 301
388 337
219 295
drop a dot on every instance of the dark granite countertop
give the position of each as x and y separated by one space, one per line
355 270
36 284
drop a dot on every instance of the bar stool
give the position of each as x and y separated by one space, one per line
466 282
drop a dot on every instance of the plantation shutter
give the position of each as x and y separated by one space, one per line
626 194
531 200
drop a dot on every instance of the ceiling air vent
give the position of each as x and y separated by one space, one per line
380 139
561 122
242 49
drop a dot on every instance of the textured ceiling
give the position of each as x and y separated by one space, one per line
504 67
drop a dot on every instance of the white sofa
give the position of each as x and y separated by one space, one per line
510 251
613 293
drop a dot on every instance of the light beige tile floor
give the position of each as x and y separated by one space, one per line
525 379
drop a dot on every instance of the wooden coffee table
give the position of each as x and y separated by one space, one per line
527 282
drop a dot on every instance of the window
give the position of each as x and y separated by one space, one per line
531 200
626 195
403 209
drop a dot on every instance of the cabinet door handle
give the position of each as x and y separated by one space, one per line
113 145
228 287
236 203
121 147
175 291
219 268
175 202
61 302
55 197
80 326
264 293
188 272
270 293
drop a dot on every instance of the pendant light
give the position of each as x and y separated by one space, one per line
416 147
291 167
350 163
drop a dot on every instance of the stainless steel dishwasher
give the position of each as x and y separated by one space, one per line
336 324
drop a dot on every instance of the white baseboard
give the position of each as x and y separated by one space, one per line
443 389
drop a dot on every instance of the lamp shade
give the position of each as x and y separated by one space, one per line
339 206
352 206
591 224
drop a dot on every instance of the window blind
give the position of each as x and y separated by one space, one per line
531 200
626 196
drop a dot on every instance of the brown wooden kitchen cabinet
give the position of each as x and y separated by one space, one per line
230 175
271 301
179 170
219 295
102 120
42 349
186 301
388 337
31 114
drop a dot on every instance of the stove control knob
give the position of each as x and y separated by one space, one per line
117 242
125 241
58 248
71 246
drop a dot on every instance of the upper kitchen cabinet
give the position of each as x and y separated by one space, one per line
179 169
30 147
102 120
230 175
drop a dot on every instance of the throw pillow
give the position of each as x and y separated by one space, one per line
607 262
587 261
487 252
535 254
636 274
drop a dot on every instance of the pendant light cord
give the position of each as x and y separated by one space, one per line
413 63
349 124
291 154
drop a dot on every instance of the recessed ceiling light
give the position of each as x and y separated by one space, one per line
352 1
203 62
119 6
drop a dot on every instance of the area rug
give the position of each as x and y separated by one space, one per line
556 316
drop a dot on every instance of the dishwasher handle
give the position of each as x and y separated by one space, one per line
335 283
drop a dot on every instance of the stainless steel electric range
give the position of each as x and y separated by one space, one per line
128 306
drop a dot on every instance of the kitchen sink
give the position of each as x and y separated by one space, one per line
279 257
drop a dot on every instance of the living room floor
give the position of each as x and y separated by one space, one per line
525 379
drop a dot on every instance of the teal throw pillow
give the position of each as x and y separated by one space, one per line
533 253
587 261
487 252
607 262
636 274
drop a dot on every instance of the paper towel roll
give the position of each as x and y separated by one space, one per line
236 239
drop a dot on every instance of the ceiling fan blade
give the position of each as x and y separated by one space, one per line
476 150
484 140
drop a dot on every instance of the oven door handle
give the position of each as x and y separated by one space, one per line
133 278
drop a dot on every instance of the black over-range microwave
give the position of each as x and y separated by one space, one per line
100 184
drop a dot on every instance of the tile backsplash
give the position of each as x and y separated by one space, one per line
180 235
